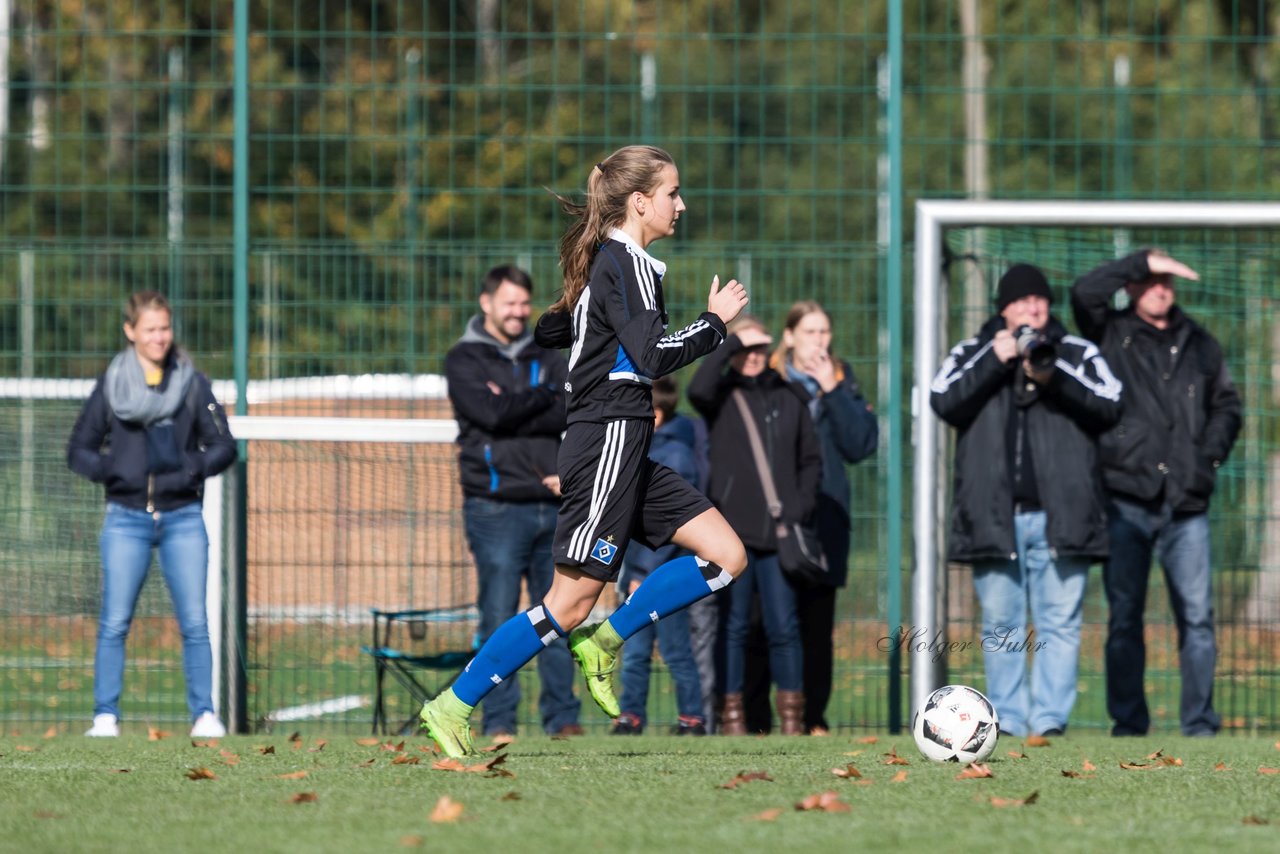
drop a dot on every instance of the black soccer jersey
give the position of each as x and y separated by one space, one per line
619 335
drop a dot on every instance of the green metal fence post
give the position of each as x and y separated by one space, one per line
894 295
237 605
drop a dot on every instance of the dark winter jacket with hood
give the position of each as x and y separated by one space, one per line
507 442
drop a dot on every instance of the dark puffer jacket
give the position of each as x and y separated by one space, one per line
112 452
789 438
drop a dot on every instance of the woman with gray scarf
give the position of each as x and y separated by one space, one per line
150 433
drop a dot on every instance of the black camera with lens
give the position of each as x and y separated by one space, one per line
1036 347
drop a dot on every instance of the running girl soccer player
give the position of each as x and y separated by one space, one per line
612 316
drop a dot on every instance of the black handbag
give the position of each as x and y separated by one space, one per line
799 549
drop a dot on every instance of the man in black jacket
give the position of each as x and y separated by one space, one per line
1028 402
508 397
1181 417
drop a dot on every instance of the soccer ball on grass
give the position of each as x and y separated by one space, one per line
956 724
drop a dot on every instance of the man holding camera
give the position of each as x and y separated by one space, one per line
1028 402
1181 417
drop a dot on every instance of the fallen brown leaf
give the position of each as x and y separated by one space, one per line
893 758
1221 766
292 775
1016 755
229 757
411 841
900 777
770 814
491 766
510 796
1037 741
213 742
405 759
1089 766
319 746
1077 775
1263 769
1137 766
368 742
747 777
51 732
975 771
201 773
1253 819
393 748
1156 755
867 739
367 763
848 771
270 748
120 771
1016 802
27 748
296 736
1170 761
827 801
154 734
304 798
446 810
448 764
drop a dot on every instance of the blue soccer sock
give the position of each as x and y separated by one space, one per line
508 649
674 585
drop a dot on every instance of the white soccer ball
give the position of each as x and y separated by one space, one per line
956 724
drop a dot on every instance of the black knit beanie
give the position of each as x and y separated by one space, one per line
1022 280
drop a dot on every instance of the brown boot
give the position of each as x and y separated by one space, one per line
732 715
790 711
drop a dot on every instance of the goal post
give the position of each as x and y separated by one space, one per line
933 219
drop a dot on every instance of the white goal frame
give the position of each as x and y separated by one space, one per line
933 218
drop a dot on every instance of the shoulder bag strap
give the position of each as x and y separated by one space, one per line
757 452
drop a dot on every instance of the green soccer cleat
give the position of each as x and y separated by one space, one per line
597 665
446 719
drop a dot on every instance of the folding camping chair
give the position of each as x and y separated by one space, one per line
389 657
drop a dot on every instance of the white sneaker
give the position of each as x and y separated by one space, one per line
104 726
208 726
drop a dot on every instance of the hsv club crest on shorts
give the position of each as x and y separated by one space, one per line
604 550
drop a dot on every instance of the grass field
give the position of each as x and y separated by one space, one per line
650 793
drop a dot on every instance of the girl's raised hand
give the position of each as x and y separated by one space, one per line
727 302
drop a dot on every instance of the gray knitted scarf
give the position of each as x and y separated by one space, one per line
133 401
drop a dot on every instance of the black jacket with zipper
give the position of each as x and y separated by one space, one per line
112 452
1181 411
790 444
507 443
978 395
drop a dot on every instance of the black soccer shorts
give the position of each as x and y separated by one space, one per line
613 493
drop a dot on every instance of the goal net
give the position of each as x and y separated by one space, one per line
962 247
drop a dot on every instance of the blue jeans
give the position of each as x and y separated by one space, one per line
1182 544
128 536
781 624
512 541
1052 588
672 635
